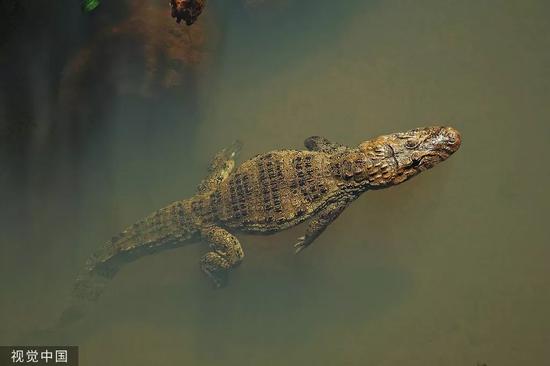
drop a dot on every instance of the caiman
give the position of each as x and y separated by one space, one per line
269 193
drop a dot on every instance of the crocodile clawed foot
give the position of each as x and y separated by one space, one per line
301 244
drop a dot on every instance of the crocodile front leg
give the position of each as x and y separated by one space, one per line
319 223
221 166
226 253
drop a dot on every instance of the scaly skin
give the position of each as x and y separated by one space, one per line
269 193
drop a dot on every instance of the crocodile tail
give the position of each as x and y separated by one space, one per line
169 227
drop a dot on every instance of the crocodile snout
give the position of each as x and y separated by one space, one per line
453 138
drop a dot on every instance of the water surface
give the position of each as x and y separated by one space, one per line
450 268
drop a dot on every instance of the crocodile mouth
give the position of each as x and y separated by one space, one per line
428 160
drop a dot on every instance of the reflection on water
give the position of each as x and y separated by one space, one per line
450 268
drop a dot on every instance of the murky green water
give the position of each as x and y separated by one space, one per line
451 268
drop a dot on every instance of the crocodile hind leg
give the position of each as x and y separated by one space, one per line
221 166
319 223
226 253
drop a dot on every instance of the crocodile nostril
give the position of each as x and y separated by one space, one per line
453 137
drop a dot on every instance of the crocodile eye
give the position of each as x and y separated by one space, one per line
411 144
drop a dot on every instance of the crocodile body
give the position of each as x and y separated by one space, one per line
269 193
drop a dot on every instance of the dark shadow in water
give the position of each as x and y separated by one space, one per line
57 137
44 134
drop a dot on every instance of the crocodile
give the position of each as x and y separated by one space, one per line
269 193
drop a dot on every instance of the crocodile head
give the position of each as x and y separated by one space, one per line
392 159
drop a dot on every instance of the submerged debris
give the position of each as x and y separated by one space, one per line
89 5
187 10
